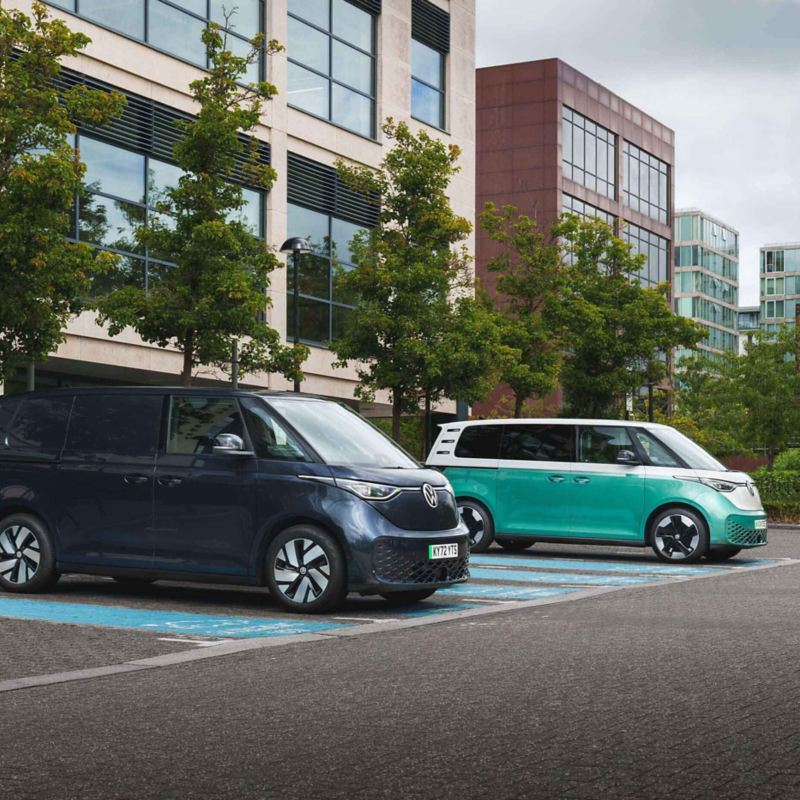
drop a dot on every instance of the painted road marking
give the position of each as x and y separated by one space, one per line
573 578
492 591
162 621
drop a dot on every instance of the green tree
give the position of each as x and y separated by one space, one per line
750 402
44 278
617 329
416 330
215 295
529 292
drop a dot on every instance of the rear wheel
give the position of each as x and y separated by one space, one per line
722 553
479 524
408 597
306 570
679 535
27 555
515 545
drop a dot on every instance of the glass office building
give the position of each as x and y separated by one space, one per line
780 285
706 280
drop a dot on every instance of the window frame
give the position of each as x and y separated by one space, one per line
442 92
167 410
588 127
631 153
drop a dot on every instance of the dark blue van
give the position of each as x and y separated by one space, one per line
297 493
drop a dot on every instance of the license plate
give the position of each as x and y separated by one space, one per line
761 524
437 551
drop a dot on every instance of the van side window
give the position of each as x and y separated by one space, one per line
270 439
601 444
657 454
8 407
119 424
479 441
40 424
537 443
195 422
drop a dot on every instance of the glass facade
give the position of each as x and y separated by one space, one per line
645 183
696 228
331 53
655 248
589 153
427 84
323 305
121 189
175 26
572 205
780 286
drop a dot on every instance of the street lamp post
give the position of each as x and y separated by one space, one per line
294 247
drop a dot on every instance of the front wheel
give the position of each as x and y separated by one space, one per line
479 524
407 597
722 553
306 570
679 535
27 555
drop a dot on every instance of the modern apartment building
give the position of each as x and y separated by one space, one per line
706 279
348 65
747 325
780 285
550 139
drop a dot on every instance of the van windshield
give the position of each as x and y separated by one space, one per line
341 436
694 455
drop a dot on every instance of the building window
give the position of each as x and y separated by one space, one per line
430 44
655 248
645 183
175 26
572 205
331 49
589 153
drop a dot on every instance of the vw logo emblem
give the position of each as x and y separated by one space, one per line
429 493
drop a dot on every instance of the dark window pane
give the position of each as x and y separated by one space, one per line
40 424
243 48
426 104
8 407
308 46
243 15
310 225
126 16
537 443
314 320
352 24
308 91
342 233
160 177
112 170
479 441
110 223
125 425
351 110
176 32
657 453
352 67
426 64
195 422
340 319
316 11
601 445
314 276
270 439
340 293
129 271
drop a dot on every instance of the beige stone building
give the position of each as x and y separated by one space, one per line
348 65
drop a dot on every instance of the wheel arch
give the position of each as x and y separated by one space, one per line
648 534
479 501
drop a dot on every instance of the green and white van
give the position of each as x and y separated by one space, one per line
520 481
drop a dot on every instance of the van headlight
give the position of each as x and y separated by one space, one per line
367 490
714 483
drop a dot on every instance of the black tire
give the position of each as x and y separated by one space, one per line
27 555
479 522
514 545
306 570
678 535
408 597
722 553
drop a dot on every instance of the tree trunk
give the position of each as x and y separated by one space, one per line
426 427
188 353
518 399
770 458
397 404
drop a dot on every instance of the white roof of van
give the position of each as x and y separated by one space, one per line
553 421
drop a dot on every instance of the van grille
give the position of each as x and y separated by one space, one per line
739 534
398 561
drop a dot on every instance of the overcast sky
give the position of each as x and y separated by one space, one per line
723 74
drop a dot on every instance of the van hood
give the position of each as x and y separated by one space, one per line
392 477
745 496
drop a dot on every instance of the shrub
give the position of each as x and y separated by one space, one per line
788 460
780 493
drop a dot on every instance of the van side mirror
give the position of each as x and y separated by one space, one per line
628 458
230 444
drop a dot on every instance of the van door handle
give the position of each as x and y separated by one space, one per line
169 480
555 478
581 480
135 480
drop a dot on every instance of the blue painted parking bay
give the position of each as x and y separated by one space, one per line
494 579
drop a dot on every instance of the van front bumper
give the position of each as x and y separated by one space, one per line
746 530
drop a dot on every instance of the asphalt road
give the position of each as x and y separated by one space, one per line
678 690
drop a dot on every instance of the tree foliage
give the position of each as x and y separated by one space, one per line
529 293
416 330
617 330
751 402
44 278
215 295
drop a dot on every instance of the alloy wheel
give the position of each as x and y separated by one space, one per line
301 570
20 554
677 537
476 524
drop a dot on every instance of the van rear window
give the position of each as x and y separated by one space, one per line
479 441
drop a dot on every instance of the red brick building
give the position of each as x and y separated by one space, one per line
550 139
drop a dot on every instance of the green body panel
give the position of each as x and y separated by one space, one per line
534 500
607 502
475 482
